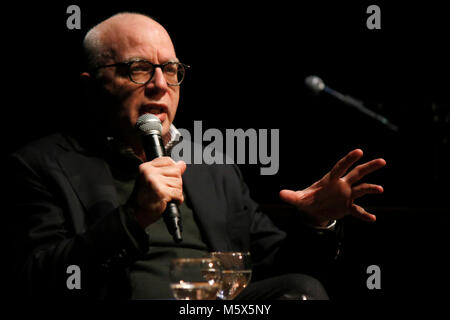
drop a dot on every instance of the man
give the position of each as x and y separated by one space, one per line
96 203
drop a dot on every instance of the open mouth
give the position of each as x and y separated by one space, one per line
154 110
159 110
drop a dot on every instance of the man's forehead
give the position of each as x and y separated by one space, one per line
136 30
137 33
129 19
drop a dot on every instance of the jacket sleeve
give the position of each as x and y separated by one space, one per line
42 243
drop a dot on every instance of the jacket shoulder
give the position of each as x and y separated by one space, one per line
43 151
48 144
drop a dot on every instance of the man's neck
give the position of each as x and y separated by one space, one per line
135 143
140 153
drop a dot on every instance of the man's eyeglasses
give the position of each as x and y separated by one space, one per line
142 71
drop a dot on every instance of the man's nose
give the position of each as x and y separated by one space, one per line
158 80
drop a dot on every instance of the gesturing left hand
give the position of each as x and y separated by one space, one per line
332 197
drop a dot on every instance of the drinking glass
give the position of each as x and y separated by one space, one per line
236 273
195 278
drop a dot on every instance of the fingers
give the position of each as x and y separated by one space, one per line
362 214
159 182
182 165
289 196
166 166
175 194
364 169
166 161
365 188
172 171
345 163
161 178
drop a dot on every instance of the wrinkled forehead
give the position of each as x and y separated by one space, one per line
138 37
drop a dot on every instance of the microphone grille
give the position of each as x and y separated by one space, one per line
314 83
149 124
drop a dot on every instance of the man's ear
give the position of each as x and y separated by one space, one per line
86 82
85 76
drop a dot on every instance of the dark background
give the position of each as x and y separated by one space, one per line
248 64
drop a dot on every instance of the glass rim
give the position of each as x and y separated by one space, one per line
231 252
193 259
151 74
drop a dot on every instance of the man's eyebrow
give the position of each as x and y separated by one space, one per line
138 58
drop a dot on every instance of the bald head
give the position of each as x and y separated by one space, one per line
107 41
127 37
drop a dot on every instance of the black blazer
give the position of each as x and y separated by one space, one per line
63 210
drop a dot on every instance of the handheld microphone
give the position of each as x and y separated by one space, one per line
150 128
317 85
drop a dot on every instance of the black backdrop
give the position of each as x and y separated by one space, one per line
400 71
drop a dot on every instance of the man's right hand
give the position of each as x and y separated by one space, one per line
159 182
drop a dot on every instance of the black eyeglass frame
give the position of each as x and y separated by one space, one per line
129 63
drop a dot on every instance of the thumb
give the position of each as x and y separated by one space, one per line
182 165
289 196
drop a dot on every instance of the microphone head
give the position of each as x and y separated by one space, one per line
149 124
314 83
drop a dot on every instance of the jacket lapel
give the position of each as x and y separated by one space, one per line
210 211
93 184
91 181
